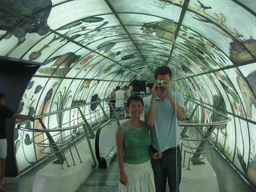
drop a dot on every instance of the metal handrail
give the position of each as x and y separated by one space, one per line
85 123
223 122
199 149
52 143
49 130
63 110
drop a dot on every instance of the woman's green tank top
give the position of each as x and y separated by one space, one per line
136 142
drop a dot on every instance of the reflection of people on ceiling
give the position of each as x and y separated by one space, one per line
120 96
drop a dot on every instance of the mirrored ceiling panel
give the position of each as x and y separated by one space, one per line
87 38
227 30
163 9
70 12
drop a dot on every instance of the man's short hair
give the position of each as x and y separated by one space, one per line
2 96
163 70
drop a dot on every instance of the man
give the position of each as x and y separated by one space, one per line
119 104
162 110
6 112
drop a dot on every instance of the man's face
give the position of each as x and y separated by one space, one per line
163 77
2 101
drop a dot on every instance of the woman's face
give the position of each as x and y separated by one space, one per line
135 108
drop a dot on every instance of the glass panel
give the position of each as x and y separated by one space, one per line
236 104
237 80
19 30
40 48
92 36
78 68
186 88
61 62
203 93
187 65
247 85
226 139
210 85
226 29
242 145
62 100
149 7
43 107
184 53
221 91
161 31
106 45
138 19
251 172
73 11
81 89
24 148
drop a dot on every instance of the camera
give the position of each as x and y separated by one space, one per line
160 83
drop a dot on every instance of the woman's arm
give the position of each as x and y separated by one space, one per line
23 117
120 157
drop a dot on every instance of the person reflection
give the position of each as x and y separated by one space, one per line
120 96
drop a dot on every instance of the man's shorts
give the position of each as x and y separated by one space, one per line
120 110
3 148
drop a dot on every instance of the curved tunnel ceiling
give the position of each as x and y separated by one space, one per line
84 45
193 37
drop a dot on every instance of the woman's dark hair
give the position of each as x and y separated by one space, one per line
117 88
163 70
134 97
2 95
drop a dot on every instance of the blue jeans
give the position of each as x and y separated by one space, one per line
168 167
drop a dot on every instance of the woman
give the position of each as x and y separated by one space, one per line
132 141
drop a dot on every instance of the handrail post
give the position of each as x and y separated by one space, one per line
183 133
53 144
103 111
186 102
114 111
195 158
88 140
92 135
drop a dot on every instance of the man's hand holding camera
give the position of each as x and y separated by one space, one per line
165 87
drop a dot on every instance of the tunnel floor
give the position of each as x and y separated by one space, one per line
104 180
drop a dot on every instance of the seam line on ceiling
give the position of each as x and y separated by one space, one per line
183 11
125 29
